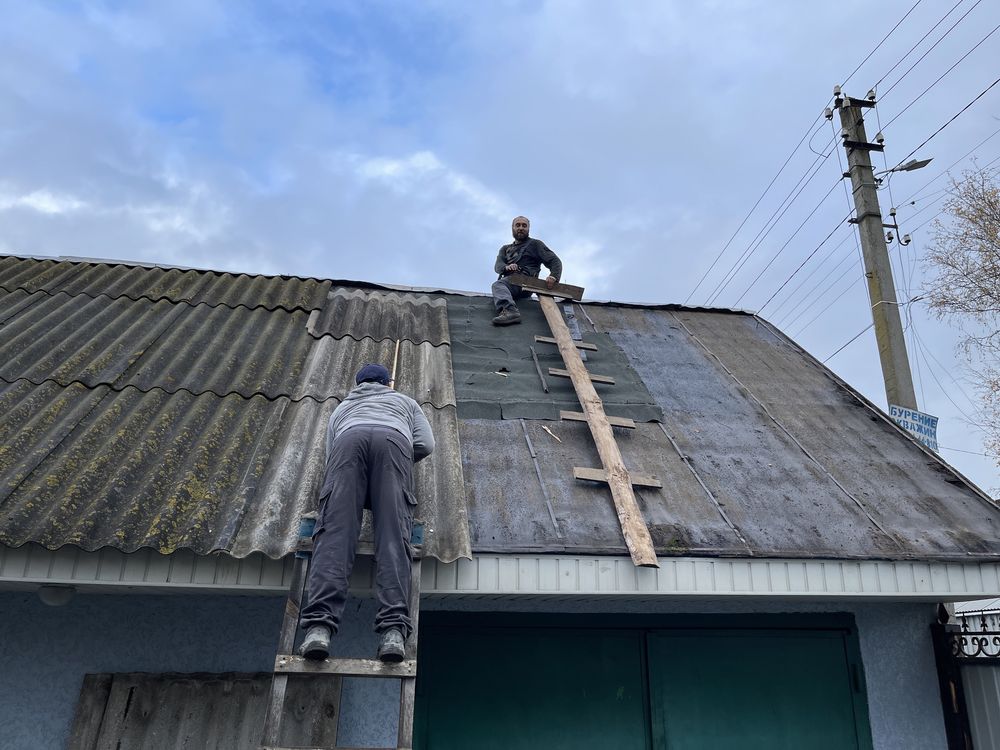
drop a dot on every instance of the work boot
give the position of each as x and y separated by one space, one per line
391 647
508 316
316 644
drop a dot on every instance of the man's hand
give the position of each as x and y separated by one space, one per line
511 267
550 282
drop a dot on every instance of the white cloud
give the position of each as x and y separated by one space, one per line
424 170
43 202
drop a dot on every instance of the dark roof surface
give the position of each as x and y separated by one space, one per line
496 377
170 408
761 451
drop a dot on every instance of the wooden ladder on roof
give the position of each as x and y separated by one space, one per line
287 663
613 471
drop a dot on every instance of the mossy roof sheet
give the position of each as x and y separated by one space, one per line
192 414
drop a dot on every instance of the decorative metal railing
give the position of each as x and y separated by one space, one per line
974 640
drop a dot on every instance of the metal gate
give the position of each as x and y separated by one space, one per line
967 649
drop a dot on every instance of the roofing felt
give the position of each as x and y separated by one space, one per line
762 451
139 423
496 377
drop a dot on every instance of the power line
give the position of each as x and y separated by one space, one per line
950 167
752 209
931 48
938 79
916 44
927 352
788 241
879 45
808 258
960 450
853 339
791 295
941 196
809 129
913 345
954 117
810 299
768 226
836 299
942 388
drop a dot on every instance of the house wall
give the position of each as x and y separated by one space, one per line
45 651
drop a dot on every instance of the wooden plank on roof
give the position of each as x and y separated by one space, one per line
634 530
538 286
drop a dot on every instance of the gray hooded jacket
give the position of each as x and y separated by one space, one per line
374 403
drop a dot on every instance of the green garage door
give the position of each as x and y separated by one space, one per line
506 689
753 690
653 688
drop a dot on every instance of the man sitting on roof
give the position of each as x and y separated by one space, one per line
373 439
524 255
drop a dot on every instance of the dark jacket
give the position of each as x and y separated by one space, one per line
530 256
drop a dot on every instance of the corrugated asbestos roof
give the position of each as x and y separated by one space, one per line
186 416
348 312
175 409
172 284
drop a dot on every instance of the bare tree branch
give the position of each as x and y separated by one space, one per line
963 285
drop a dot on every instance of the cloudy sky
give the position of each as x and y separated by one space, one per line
394 141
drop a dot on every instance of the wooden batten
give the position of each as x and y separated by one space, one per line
577 344
600 475
579 416
602 379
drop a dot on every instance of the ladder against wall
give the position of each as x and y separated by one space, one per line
613 471
287 663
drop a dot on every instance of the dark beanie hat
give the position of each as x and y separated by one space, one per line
372 372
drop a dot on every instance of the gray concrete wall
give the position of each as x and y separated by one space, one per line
45 651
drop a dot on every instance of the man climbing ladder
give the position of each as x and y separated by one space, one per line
373 439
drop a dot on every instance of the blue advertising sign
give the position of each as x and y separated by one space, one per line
922 426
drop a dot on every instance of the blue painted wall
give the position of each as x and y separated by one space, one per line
45 651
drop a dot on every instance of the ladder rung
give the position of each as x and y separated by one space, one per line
600 475
293 664
579 416
367 549
577 344
560 373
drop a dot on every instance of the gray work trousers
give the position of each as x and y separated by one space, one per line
504 294
371 466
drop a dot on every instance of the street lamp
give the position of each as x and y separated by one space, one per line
910 166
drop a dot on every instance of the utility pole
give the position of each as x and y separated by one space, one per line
881 291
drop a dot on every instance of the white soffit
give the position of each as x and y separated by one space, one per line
146 571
